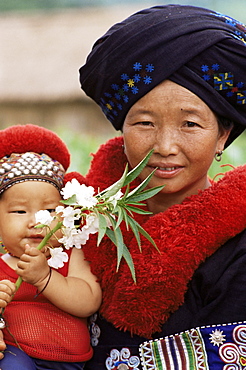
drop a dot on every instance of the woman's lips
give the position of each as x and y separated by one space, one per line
166 171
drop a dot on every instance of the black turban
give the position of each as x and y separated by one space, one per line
199 49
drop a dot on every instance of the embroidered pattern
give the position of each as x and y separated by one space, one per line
224 81
234 354
184 351
208 347
217 337
113 100
94 329
239 29
122 360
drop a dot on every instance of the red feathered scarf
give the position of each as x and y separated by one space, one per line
186 234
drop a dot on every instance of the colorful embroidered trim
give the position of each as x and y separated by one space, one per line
224 82
209 347
121 93
30 166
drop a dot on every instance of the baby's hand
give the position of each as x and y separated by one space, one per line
2 345
32 266
7 289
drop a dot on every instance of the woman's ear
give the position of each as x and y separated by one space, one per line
223 136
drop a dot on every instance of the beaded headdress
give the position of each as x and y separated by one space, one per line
32 153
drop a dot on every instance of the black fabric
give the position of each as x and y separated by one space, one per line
216 295
199 49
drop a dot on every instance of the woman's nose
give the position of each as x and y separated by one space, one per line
167 142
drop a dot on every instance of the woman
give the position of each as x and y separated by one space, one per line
172 78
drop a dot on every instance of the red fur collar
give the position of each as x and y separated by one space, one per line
186 235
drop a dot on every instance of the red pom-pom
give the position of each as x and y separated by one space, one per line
32 138
75 175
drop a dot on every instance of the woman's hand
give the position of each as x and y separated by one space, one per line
7 290
32 266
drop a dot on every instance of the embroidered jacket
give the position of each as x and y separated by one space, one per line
172 292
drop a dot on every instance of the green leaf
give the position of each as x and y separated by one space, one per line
138 210
147 236
70 201
146 194
114 236
141 186
138 169
128 258
118 240
102 227
119 214
114 188
134 227
125 217
125 254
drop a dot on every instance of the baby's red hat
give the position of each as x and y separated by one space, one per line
32 138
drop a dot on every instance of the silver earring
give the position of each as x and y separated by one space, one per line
218 155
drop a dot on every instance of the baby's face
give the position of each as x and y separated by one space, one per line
18 206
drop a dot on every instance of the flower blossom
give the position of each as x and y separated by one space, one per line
84 194
71 188
92 224
44 217
80 238
73 238
69 215
58 257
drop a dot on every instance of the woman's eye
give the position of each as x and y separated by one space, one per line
191 124
144 123
19 212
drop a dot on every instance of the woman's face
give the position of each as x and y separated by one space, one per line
184 134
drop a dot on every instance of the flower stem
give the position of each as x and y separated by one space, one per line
39 247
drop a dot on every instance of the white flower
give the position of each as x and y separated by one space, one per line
71 188
58 257
59 209
44 217
73 238
69 216
67 239
80 238
92 224
84 194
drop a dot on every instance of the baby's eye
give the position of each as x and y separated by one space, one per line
51 210
19 211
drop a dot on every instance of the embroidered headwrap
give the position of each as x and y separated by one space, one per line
30 152
201 50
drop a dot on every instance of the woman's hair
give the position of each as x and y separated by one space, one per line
225 123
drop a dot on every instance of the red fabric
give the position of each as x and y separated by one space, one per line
41 329
32 138
186 235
